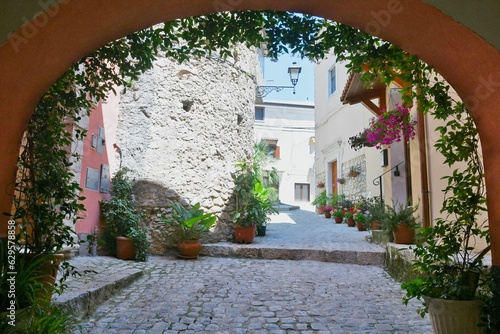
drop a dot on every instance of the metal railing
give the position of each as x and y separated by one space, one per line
378 180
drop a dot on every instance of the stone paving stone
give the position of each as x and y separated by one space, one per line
252 296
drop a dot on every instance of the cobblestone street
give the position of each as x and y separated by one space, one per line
240 295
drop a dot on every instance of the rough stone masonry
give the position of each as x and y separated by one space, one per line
181 129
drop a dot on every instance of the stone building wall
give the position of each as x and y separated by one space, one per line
354 186
181 129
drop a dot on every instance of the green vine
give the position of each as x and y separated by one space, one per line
45 189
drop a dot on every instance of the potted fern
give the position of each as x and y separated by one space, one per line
399 220
190 225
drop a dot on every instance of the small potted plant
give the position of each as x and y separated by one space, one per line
354 171
349 215
377 214
401 222
123 234
338 215
362 219
320 201
320 184
190 225
327 210
341 180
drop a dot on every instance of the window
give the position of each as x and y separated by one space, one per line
302 192
332 77
259 114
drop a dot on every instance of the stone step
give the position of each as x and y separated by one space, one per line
85 293
226 249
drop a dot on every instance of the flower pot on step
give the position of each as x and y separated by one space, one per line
244 234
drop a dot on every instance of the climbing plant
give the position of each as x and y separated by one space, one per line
120 62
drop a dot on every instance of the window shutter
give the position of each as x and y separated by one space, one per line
277 152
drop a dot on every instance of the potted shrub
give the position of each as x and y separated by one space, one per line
377 214
338 215
362 219
190 225
320 201
123 235
401 222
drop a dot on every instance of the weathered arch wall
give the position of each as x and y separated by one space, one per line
30 63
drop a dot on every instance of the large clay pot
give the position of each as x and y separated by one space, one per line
125 248
46 272
403 234
244 234
189 249
351 222
454 316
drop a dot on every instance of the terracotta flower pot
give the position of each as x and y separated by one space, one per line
244 234
125 248
339 220
328 214
403 234
360 227
189 249
351 222
375 225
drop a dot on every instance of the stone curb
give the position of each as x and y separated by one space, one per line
90 294
337 256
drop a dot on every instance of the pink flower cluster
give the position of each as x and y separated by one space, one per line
390 127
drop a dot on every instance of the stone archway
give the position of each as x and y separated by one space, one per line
30 63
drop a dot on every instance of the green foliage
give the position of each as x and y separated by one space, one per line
191 223
254 199
122 219
399 214
37 315
376 209
321 200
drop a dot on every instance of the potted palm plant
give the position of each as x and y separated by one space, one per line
190 225
123 234
400 221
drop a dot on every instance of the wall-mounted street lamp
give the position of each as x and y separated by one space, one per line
293 71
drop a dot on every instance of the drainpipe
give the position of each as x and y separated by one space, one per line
424 175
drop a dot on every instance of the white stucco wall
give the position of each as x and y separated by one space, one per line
335 123
292 125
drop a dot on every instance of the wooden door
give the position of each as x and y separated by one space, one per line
334 178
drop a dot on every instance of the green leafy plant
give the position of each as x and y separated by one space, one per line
122 219
338 213
321 200
190 224
363 218
399 214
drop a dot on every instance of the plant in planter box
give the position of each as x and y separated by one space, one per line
399 220
123 230
190 225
